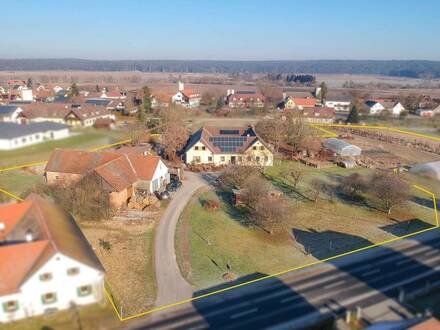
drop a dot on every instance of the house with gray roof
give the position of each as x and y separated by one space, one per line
10 112
14 135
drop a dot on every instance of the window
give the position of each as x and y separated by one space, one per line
209 159
249 158
261 148
73 271
196 148
45 277
254 147
196 159
84 290
203 148
222 158
10 306
266 158
240 159
257 158
48 298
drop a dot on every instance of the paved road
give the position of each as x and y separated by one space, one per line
171 286
371 278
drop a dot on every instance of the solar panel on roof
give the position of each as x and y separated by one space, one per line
229 131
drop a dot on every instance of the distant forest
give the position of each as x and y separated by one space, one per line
396 68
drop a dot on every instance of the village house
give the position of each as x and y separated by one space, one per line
297 103
244 99
374 106
160 100
319 115
10 113
120 175
394 107
338 104
80 115
46 262
224 146
14 135
186 97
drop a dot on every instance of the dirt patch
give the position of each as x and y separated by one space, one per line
127 256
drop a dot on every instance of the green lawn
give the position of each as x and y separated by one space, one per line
91 317
80 139
19 181
207 241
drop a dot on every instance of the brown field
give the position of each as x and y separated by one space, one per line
166 82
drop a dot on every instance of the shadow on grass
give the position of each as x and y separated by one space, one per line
406 227
256 305
426 202
328 243
237 214
286 188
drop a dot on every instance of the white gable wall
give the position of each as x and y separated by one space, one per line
63 285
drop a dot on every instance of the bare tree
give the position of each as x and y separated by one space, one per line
271 213
294 175
174 138
388 190
353 185
317 188
296 128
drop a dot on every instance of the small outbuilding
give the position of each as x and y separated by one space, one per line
341 147
430 170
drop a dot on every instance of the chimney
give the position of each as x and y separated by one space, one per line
181 86
232 92
284 95
228 92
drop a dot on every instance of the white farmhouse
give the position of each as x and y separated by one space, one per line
13 135
186 97
375 107
46 262
338 105
224 146
395 108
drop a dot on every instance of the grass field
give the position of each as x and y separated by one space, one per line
84 139
91 317
19 181
208 241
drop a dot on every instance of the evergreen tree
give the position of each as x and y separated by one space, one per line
324 91
97 88
29 83
74 91
145 107
353 116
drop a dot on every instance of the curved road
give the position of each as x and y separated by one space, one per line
171 286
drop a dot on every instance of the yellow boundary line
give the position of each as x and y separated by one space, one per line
181 302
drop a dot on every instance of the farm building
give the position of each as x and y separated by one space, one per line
430 170
342 148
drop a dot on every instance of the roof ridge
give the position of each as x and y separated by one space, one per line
131 166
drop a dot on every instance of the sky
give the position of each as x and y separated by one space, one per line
221 29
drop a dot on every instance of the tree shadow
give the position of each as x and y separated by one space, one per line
426 202
237 214
256 305
401 228
328 243
287 188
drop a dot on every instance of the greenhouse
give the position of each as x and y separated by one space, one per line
430 170
342 148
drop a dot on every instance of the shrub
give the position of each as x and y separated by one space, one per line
211 205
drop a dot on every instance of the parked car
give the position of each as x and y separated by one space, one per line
174 185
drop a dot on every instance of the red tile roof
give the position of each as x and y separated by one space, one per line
17 262
310 102
11 214
119 170
58 233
